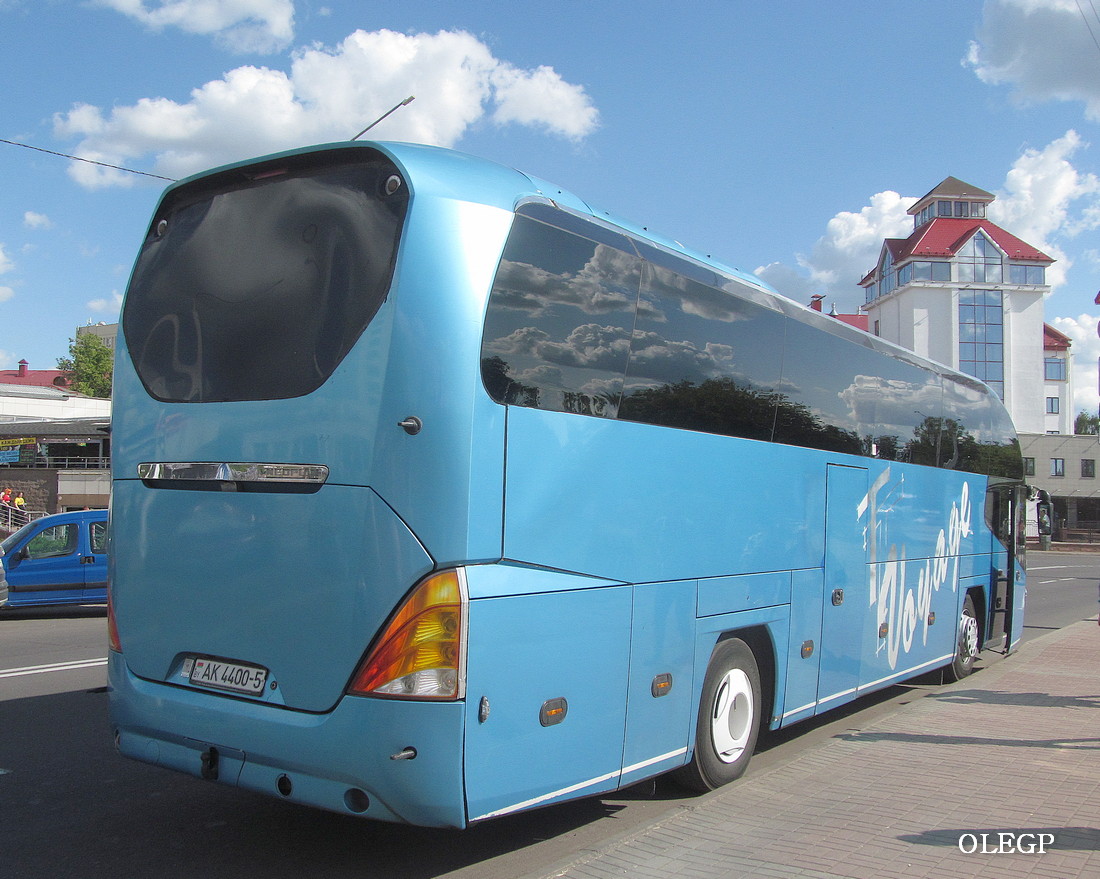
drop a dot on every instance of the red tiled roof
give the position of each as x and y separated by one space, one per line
39 378
945 236
1054 340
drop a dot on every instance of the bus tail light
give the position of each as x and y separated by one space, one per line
112 627
421 652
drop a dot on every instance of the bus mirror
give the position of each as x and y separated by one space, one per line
1044 519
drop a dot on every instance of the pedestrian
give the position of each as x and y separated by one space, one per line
5 497
19 503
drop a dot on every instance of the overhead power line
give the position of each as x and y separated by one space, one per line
27 146
1085 19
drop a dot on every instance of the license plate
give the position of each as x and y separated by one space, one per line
236 677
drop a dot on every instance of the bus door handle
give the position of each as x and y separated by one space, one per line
838 597
87 560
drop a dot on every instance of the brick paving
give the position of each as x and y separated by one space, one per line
1014 748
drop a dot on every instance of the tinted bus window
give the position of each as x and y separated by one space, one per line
557 331
979 436
584 319
891 400
813 409
702 359
258 292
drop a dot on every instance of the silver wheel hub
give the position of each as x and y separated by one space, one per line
732 715
968 637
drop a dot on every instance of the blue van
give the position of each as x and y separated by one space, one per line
59 559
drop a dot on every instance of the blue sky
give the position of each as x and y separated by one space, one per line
786 138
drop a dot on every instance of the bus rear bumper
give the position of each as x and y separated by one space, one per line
389 760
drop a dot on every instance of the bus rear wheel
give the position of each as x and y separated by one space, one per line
729 718
966 650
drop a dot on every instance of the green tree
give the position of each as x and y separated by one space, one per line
1086 424
89 366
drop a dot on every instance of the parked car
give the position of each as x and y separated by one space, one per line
59 559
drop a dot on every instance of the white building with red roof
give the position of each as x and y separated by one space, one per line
965 292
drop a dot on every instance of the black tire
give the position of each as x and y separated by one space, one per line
725 735
967 642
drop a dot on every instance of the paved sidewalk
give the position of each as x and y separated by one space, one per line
1013 748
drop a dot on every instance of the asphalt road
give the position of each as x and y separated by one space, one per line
70 806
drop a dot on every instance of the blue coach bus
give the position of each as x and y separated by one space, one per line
439 495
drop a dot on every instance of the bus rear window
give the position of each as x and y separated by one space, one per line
253 284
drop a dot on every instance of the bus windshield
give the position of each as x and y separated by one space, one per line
255 288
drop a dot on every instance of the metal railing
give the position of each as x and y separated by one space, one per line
12 519
1083 531
41 461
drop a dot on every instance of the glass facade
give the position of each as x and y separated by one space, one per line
1019 273
981 336
979 261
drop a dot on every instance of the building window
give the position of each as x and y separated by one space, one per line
980 261
1054 369
1088 468
877 333
981 337
1052 405
888 278
943 208
1024 274
924 270
1057 466
1029 466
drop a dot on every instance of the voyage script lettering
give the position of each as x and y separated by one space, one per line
902 607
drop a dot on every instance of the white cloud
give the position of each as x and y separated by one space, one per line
521 95
261 26
328 95
112 303
1045 198
1043 49
6 265
6 293
1086 354
788 280
845 253
34 220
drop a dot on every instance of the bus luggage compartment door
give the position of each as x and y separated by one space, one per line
845 601
546 695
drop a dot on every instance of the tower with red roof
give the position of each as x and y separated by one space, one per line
965 292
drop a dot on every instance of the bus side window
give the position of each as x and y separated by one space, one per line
557 331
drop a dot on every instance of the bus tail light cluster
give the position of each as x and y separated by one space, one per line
421 652
112 627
